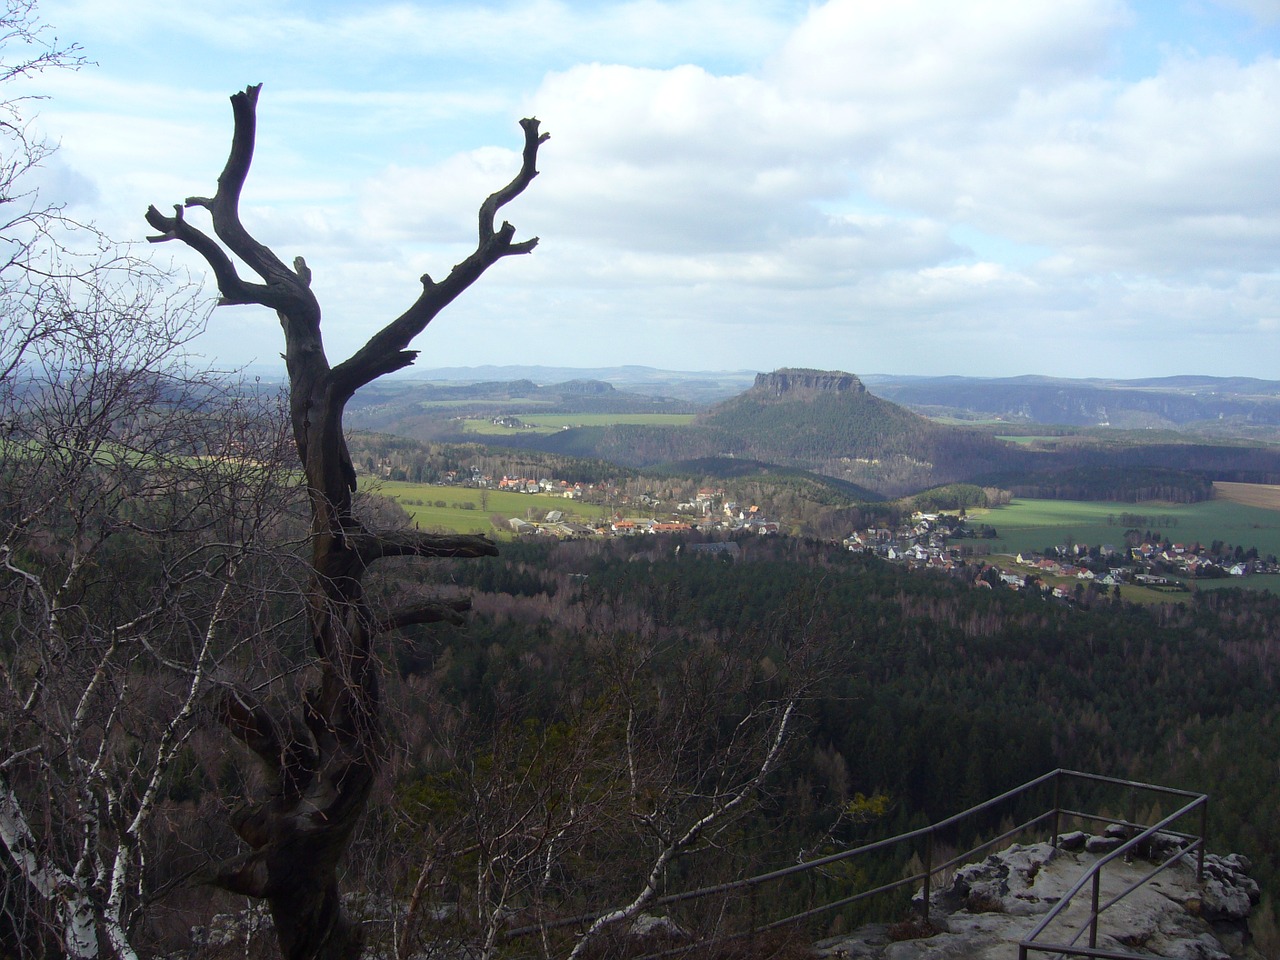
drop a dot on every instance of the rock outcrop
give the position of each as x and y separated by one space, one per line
988 907
794 383
979 914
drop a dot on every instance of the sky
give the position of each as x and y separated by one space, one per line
1071 188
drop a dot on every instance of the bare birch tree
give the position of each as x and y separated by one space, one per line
135 512
134 495
686 778
320 756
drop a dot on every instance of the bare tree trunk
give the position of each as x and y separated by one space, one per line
321 759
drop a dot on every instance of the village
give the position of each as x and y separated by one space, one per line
928 541
940 541
707 512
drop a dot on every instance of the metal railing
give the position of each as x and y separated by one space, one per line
926 838
1093 877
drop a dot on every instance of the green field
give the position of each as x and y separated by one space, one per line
1034 524
1031 525
553 422
467 510
965 421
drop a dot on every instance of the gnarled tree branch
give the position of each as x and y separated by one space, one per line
321 767
440 611
414 543
233 290
282 290
386 350
528 170
224 207
281 744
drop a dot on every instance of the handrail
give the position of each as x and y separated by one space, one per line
1054 813
1094 874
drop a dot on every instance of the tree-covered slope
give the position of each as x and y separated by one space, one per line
815 427
936 693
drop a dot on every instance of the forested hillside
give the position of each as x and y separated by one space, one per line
925 689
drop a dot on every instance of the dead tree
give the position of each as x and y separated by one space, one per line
320 761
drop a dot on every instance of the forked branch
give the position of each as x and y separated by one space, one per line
386 351
282 289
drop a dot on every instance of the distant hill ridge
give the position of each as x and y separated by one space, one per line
1220 405
818 421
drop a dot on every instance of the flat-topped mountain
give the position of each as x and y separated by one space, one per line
810 415
797 383
826 421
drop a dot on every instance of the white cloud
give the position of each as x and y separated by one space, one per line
437 203
1170 175
928 62
911 180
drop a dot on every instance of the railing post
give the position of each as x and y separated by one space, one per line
928 873
755 921
813 888
1093 919
1204 839
1057 811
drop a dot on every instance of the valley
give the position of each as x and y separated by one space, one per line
967 614
815 453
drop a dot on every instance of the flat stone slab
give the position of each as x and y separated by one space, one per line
988 907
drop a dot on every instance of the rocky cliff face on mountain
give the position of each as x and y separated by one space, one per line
988 907
795 383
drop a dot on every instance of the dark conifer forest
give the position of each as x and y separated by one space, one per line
922 688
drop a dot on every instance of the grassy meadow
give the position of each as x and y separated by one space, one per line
1247 515
554 422
467 510
1034 524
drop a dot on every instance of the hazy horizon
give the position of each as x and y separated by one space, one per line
1066 187
523 371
